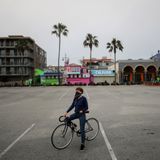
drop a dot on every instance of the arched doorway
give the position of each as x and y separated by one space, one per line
151 73
159 72
128 74
139 74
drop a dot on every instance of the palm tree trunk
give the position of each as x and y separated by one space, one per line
90 65
115 78
59 59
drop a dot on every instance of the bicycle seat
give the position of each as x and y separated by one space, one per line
87 111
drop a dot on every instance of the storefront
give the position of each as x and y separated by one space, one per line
76 74
100 76
50 78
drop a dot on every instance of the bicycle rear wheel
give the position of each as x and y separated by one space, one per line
91 129
61 136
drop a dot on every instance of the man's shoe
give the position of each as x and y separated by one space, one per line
82 147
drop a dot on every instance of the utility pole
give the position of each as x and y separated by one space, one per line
66 62
65 59
83 61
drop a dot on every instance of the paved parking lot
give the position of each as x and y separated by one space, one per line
129 116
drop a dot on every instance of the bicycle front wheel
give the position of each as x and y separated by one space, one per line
91 129
61 136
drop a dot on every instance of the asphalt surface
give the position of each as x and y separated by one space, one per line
130 117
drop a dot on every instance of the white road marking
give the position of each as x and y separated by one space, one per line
63 95
111 152
14 142
86 94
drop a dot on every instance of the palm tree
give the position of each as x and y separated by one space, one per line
59 30
90 41
21 46
113 46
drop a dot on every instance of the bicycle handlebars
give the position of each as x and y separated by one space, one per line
62 118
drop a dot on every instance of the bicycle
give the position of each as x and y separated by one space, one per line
63 134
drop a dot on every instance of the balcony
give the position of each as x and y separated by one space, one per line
6 47
17 65
14 74
17 56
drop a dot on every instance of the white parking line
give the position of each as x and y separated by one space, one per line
111 152
86 94
63 95
14 142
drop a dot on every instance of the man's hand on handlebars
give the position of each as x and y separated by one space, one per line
65 114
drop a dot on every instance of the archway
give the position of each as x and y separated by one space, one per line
159 72
139 74
128 74
151 73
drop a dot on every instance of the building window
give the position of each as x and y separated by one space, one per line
12 52
3 52
2 43
12 70
25 61
3 70
12 43
75 69
11 61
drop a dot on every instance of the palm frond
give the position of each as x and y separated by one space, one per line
96 43
60 29
119 45
56 33
111 49
85 43
114 45
55 27
65 33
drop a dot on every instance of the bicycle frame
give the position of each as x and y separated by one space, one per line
74 129
89 127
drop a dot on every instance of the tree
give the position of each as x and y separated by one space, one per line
90 41
59 30
21 46
112 47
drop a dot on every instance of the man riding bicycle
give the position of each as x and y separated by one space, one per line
80 106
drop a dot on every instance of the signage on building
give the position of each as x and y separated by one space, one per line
86 75
103 73
73 72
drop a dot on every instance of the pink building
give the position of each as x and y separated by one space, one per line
76 74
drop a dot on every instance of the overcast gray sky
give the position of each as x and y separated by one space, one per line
135 22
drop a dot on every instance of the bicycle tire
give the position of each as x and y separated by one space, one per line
61 136
91 129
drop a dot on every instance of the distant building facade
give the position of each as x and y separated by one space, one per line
102 69
139 71
17 66
76 74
